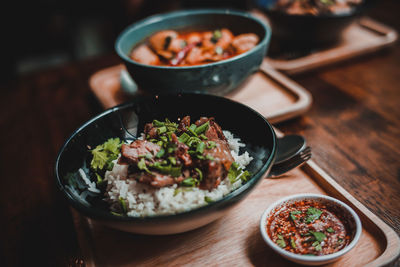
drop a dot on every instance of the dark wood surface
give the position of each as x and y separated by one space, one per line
353 128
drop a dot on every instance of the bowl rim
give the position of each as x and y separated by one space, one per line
187 12
108 216
305 258
356 11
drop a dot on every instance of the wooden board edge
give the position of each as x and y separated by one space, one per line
392 246
306 63
302 103
304 98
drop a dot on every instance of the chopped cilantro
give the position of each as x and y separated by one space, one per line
319 236
293 213
330 230
317 245
292 243
313 214
280 241
105 153
235 172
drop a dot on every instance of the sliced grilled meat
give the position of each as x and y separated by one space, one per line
131 154
183 124
156 179
217 169
150 131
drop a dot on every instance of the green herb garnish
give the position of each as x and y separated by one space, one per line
191 182
209 157
217 34
202 136
142 166
116 213
158 123
181 189
160 153
330 230
280 241
123 205
293 213
105 153
319 236
313 214
292 243
202 128
208 199
211 144
200 147
192 129
167 169
317 245
327 2
172 160
200 173
235 172
99 179
161 130
184 138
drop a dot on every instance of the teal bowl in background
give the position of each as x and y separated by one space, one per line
215 78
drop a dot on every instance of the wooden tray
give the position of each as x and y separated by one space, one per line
361 38
235 240
269 92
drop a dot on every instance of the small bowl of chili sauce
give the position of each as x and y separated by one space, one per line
310 229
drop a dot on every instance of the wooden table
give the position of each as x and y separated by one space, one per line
353 128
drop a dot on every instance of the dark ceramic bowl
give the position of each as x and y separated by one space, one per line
128 119
307 32
216 78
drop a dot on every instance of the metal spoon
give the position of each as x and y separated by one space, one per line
288 147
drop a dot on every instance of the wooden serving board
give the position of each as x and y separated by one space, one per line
269 92
235 239
363 37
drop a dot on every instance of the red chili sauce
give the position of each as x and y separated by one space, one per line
309 228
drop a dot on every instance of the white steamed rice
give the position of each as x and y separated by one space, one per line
144 200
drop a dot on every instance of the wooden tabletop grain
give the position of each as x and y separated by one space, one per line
353 128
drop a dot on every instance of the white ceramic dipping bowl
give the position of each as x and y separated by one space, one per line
350 215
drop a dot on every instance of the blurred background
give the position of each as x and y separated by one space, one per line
44 33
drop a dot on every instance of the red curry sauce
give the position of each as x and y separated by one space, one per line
171 48
309 228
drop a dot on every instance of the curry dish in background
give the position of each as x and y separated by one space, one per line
170 48
316 7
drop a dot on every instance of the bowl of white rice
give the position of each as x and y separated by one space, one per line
114 198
